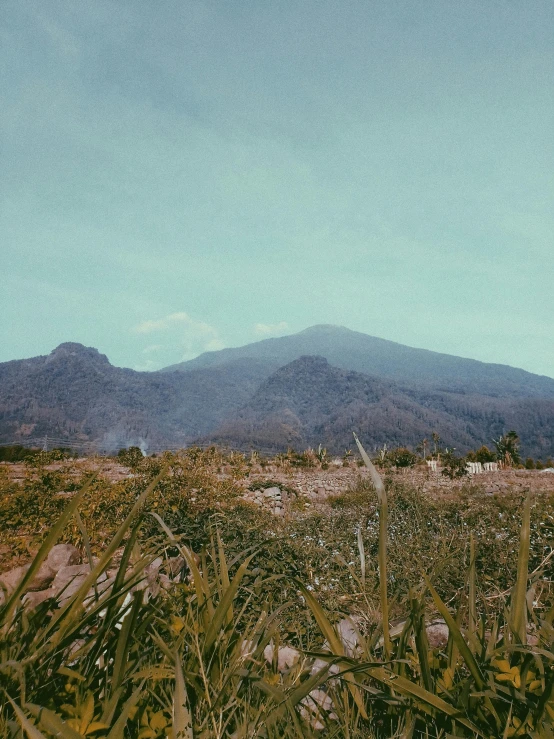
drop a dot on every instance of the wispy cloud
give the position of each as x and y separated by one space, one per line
148 366
184 332
160 324
271 329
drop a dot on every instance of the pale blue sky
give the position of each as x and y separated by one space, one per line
178 176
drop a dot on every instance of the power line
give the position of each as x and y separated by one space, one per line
100 447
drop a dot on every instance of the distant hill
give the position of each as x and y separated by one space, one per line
263 395
308 402
352 350
75 392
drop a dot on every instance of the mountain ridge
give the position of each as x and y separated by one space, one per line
308 402
260 401
360 352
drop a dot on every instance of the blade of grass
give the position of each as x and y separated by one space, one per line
382 555
118 729
182 719
333 640
52 723
361 549
459 640
518 604
421 641
42 553
26 725
472 590
223 606
63 618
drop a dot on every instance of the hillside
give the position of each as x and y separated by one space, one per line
75 392
309 402
253 401
352 350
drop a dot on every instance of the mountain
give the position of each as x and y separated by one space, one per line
76 393
369 355
265 396
308 402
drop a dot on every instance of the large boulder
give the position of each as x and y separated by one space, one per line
59 556
40 580
69 579
63 555
33 599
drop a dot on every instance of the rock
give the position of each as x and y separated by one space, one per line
437 634
69 579
315 708
287 657
41 580
175 566
349 636
272 492
63 555
33 599
60 556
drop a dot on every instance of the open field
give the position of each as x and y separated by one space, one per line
285 548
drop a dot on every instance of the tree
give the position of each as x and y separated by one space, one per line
507 448
130 457
453 466
402 457
422 447
484 454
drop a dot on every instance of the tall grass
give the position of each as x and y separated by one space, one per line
190 662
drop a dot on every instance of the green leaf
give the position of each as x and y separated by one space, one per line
182 719
459 640
28 727
51 722
518 605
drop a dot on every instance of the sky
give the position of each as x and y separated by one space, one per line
186 175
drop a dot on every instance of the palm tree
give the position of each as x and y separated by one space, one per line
507 448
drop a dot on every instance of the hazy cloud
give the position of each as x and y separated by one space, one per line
147 327
148 366
271 329
182 332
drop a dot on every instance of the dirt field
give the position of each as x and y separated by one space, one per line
316 484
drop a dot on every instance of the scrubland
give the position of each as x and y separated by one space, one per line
446 585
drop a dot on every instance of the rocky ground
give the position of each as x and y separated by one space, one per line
316 484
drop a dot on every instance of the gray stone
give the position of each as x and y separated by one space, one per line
287 657
437 634
32 600
63 555
41 580
69 579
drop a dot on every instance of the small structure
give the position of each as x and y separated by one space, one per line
474 468
490 466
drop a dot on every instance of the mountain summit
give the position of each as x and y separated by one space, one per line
352 350
313 387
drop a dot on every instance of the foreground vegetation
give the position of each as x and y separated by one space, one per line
190 661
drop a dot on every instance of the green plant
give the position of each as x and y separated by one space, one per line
507 448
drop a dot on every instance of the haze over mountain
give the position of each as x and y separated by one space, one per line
313 387
308 402
368 354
